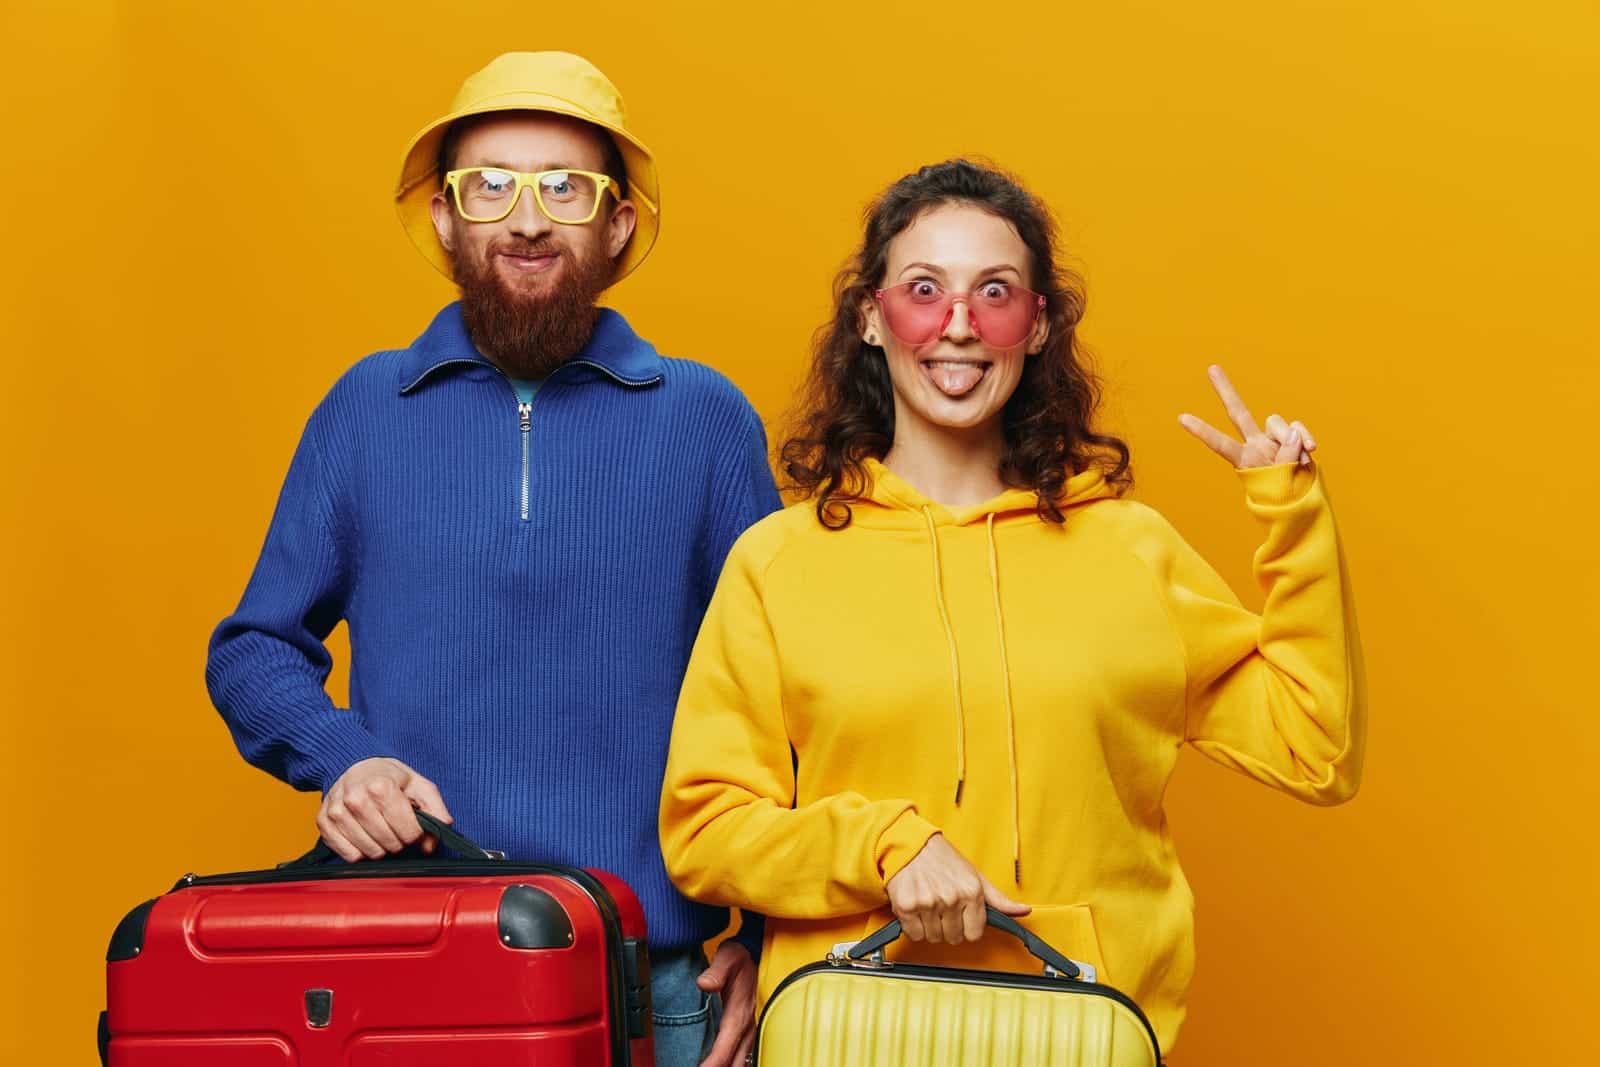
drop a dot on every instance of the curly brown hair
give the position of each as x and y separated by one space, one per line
845 412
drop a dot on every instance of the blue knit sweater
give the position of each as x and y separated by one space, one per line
522 586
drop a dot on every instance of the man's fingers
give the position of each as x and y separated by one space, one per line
352 831
1305 435
425 795
399 817
1238 414
368 804
1213 438
725 1046
715 976
1277 428
336 840
911 926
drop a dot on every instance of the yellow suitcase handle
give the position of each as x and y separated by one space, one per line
1055 964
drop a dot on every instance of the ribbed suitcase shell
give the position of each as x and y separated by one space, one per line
919 1016
413 962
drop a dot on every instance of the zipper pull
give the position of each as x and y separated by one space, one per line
524 416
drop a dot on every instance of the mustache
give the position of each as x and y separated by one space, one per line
517 246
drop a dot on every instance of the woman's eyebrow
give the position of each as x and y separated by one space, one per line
934 269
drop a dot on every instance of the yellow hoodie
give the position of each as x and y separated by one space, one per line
1021 687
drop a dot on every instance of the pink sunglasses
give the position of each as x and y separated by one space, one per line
919 311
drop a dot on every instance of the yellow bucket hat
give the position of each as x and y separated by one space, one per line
558 82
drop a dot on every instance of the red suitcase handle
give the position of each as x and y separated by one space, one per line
449 838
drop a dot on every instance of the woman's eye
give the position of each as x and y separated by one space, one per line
995 292
924 290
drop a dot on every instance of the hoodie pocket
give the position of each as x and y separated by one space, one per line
1067 928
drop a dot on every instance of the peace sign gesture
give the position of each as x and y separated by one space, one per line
1282 442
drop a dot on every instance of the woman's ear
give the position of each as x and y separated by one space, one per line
1041 332
871 323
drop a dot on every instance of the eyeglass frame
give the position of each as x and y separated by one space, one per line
1040 303
528 179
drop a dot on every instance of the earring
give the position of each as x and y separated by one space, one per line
872 338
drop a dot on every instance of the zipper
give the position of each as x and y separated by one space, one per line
525 411
525 423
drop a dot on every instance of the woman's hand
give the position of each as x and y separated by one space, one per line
940 897
1282 442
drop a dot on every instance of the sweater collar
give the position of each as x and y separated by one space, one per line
613 349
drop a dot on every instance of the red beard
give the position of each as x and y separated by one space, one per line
528 335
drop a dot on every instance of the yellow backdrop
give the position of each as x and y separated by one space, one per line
1378 214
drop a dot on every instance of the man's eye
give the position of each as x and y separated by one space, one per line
494 181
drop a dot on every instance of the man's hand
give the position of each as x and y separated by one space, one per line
733 974
368 811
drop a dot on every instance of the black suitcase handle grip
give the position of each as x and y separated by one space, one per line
449 838
1055 961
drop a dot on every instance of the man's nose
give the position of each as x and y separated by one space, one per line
526 220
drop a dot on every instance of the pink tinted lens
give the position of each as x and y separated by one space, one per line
1001 316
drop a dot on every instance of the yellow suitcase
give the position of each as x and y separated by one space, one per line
855 1009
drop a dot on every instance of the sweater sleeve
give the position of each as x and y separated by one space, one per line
1281 696
267 662
731 832
743 493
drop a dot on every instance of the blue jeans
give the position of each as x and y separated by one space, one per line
685 1018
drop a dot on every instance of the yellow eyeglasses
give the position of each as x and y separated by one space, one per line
488 194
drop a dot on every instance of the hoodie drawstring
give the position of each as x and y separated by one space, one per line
955 679
1011 716
955 660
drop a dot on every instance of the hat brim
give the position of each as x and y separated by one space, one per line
419 178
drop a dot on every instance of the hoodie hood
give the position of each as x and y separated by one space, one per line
893 502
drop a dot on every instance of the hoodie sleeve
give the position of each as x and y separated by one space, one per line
1280 696
731 832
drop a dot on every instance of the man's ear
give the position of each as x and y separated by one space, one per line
443 219
619 227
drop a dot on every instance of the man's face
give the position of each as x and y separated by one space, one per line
529 284
526 252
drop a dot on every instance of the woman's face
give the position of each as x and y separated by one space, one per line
955 380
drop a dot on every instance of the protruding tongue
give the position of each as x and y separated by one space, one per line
955 379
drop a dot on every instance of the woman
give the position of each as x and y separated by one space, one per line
961 671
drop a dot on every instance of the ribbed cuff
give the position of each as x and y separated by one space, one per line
1279 485
900 842
751 928
338 743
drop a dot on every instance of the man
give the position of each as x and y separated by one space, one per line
522 518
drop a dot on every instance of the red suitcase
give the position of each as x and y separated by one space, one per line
408 962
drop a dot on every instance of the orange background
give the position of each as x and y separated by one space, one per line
1378 214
